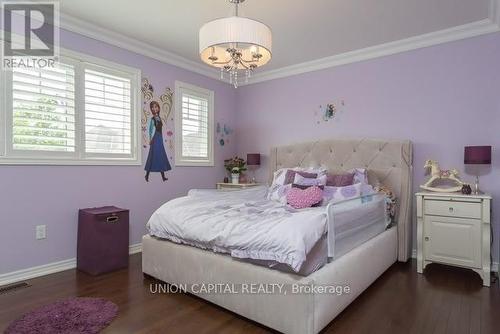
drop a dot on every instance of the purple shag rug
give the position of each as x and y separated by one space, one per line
73 315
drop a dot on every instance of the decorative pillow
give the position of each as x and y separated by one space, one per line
279 176
360 175
290 175
304 181
337 194
340 180
304 198
278 189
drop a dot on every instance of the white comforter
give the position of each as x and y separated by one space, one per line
242 223
247 225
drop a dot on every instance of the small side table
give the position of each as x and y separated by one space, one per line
454 229
235 186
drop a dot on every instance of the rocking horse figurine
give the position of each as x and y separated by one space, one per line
438 174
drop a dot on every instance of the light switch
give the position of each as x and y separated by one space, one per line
41 232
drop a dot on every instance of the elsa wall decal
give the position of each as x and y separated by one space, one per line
157 120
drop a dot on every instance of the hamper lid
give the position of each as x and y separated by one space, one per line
103 210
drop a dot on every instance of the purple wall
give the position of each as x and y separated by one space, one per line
441 98
51 195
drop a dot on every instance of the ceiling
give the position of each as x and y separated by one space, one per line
303 30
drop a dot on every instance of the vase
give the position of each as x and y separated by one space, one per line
235 178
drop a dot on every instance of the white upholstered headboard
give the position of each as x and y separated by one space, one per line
389 160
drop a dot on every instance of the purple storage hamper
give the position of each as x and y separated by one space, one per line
103 239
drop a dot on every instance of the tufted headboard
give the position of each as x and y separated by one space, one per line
389 160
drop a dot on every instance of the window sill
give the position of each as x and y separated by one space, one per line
72 162
195 164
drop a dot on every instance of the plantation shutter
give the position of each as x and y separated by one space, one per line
108 113
195 126
43 109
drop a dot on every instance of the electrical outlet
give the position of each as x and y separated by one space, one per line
41 232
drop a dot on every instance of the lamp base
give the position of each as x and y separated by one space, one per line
476 187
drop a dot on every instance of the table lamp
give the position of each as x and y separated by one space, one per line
477 155
253 161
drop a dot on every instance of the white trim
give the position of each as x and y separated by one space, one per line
135 248
202 92
84 28
494 266
481 27
50 268
3 95
435 38
414 253
79 157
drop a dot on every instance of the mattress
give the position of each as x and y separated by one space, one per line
318 256
249 227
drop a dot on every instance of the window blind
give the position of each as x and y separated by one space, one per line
107 113
194 126
43 109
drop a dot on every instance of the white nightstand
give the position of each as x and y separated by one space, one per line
235 186
454 229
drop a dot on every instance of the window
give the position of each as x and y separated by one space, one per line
84 111
194 121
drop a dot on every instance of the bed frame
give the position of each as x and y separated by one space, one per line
389 160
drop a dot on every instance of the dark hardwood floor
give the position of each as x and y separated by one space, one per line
444 300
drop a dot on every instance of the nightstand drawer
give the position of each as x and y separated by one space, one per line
452 209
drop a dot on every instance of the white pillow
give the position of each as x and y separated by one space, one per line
278 193
360 175
304 181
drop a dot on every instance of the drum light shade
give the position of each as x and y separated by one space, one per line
477 155
249 36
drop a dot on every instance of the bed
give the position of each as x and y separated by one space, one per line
312 310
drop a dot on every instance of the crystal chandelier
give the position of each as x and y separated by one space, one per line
235 45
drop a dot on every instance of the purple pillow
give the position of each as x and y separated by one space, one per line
340 180
304 198
290 175
304 187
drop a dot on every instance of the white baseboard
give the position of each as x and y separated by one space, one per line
494 265
50 268
135 248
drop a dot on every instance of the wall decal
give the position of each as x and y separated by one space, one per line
157 119
224 133
328 112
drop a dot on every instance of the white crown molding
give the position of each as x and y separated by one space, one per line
84 28
50 268
489 25
478 28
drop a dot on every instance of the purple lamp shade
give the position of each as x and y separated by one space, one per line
253 159
477 155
